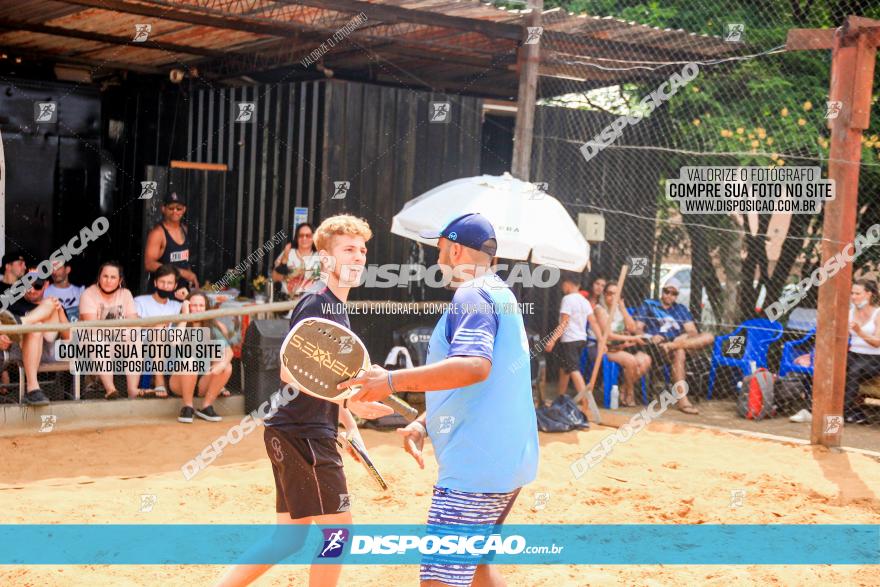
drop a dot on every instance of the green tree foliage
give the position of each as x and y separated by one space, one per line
765 109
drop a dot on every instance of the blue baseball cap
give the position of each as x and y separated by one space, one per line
471 230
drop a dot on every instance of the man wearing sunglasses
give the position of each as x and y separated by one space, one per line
671 328
168 243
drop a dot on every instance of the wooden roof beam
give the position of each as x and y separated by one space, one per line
30 27
95 64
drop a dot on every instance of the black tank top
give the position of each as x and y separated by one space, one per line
176 254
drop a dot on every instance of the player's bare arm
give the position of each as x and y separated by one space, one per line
154 249
554 336
413 436
450 373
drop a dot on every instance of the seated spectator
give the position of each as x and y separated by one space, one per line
220 332
160 303
673 333
211 383
14 268
6 345
67 293
298 266
593 295
863 358
34 348
108 299
622 340
594 292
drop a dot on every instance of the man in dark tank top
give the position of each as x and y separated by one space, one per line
168 242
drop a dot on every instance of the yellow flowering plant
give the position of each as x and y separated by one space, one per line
259 283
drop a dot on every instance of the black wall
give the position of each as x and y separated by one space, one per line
497 153
380 139
52 170
274 165
143 124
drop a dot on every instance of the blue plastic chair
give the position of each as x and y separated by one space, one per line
790 351
760 334
610 377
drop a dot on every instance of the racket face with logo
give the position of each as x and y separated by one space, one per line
319 354
374 473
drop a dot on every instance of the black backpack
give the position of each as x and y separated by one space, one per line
793 392
562 415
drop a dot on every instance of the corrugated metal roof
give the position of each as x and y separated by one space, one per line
224 38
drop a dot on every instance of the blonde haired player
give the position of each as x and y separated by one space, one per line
300 436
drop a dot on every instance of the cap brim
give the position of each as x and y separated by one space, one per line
430 233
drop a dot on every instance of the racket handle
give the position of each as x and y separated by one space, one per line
401 407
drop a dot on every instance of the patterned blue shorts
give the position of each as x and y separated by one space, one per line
455 508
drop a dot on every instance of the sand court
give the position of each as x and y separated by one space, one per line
667 474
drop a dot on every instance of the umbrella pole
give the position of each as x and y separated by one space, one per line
588 402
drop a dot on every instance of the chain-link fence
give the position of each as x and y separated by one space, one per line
608 151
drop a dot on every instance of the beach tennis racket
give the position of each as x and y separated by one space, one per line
366 461
318 354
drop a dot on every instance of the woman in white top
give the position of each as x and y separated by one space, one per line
635 363
298 266
863 359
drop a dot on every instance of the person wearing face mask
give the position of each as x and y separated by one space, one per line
863 358
109 299
161 302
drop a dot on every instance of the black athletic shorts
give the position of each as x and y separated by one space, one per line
309 480
569 354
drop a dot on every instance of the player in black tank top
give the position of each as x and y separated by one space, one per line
178 254
174 253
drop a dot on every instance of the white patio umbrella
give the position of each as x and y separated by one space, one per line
529 223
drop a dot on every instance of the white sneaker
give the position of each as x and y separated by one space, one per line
802 416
